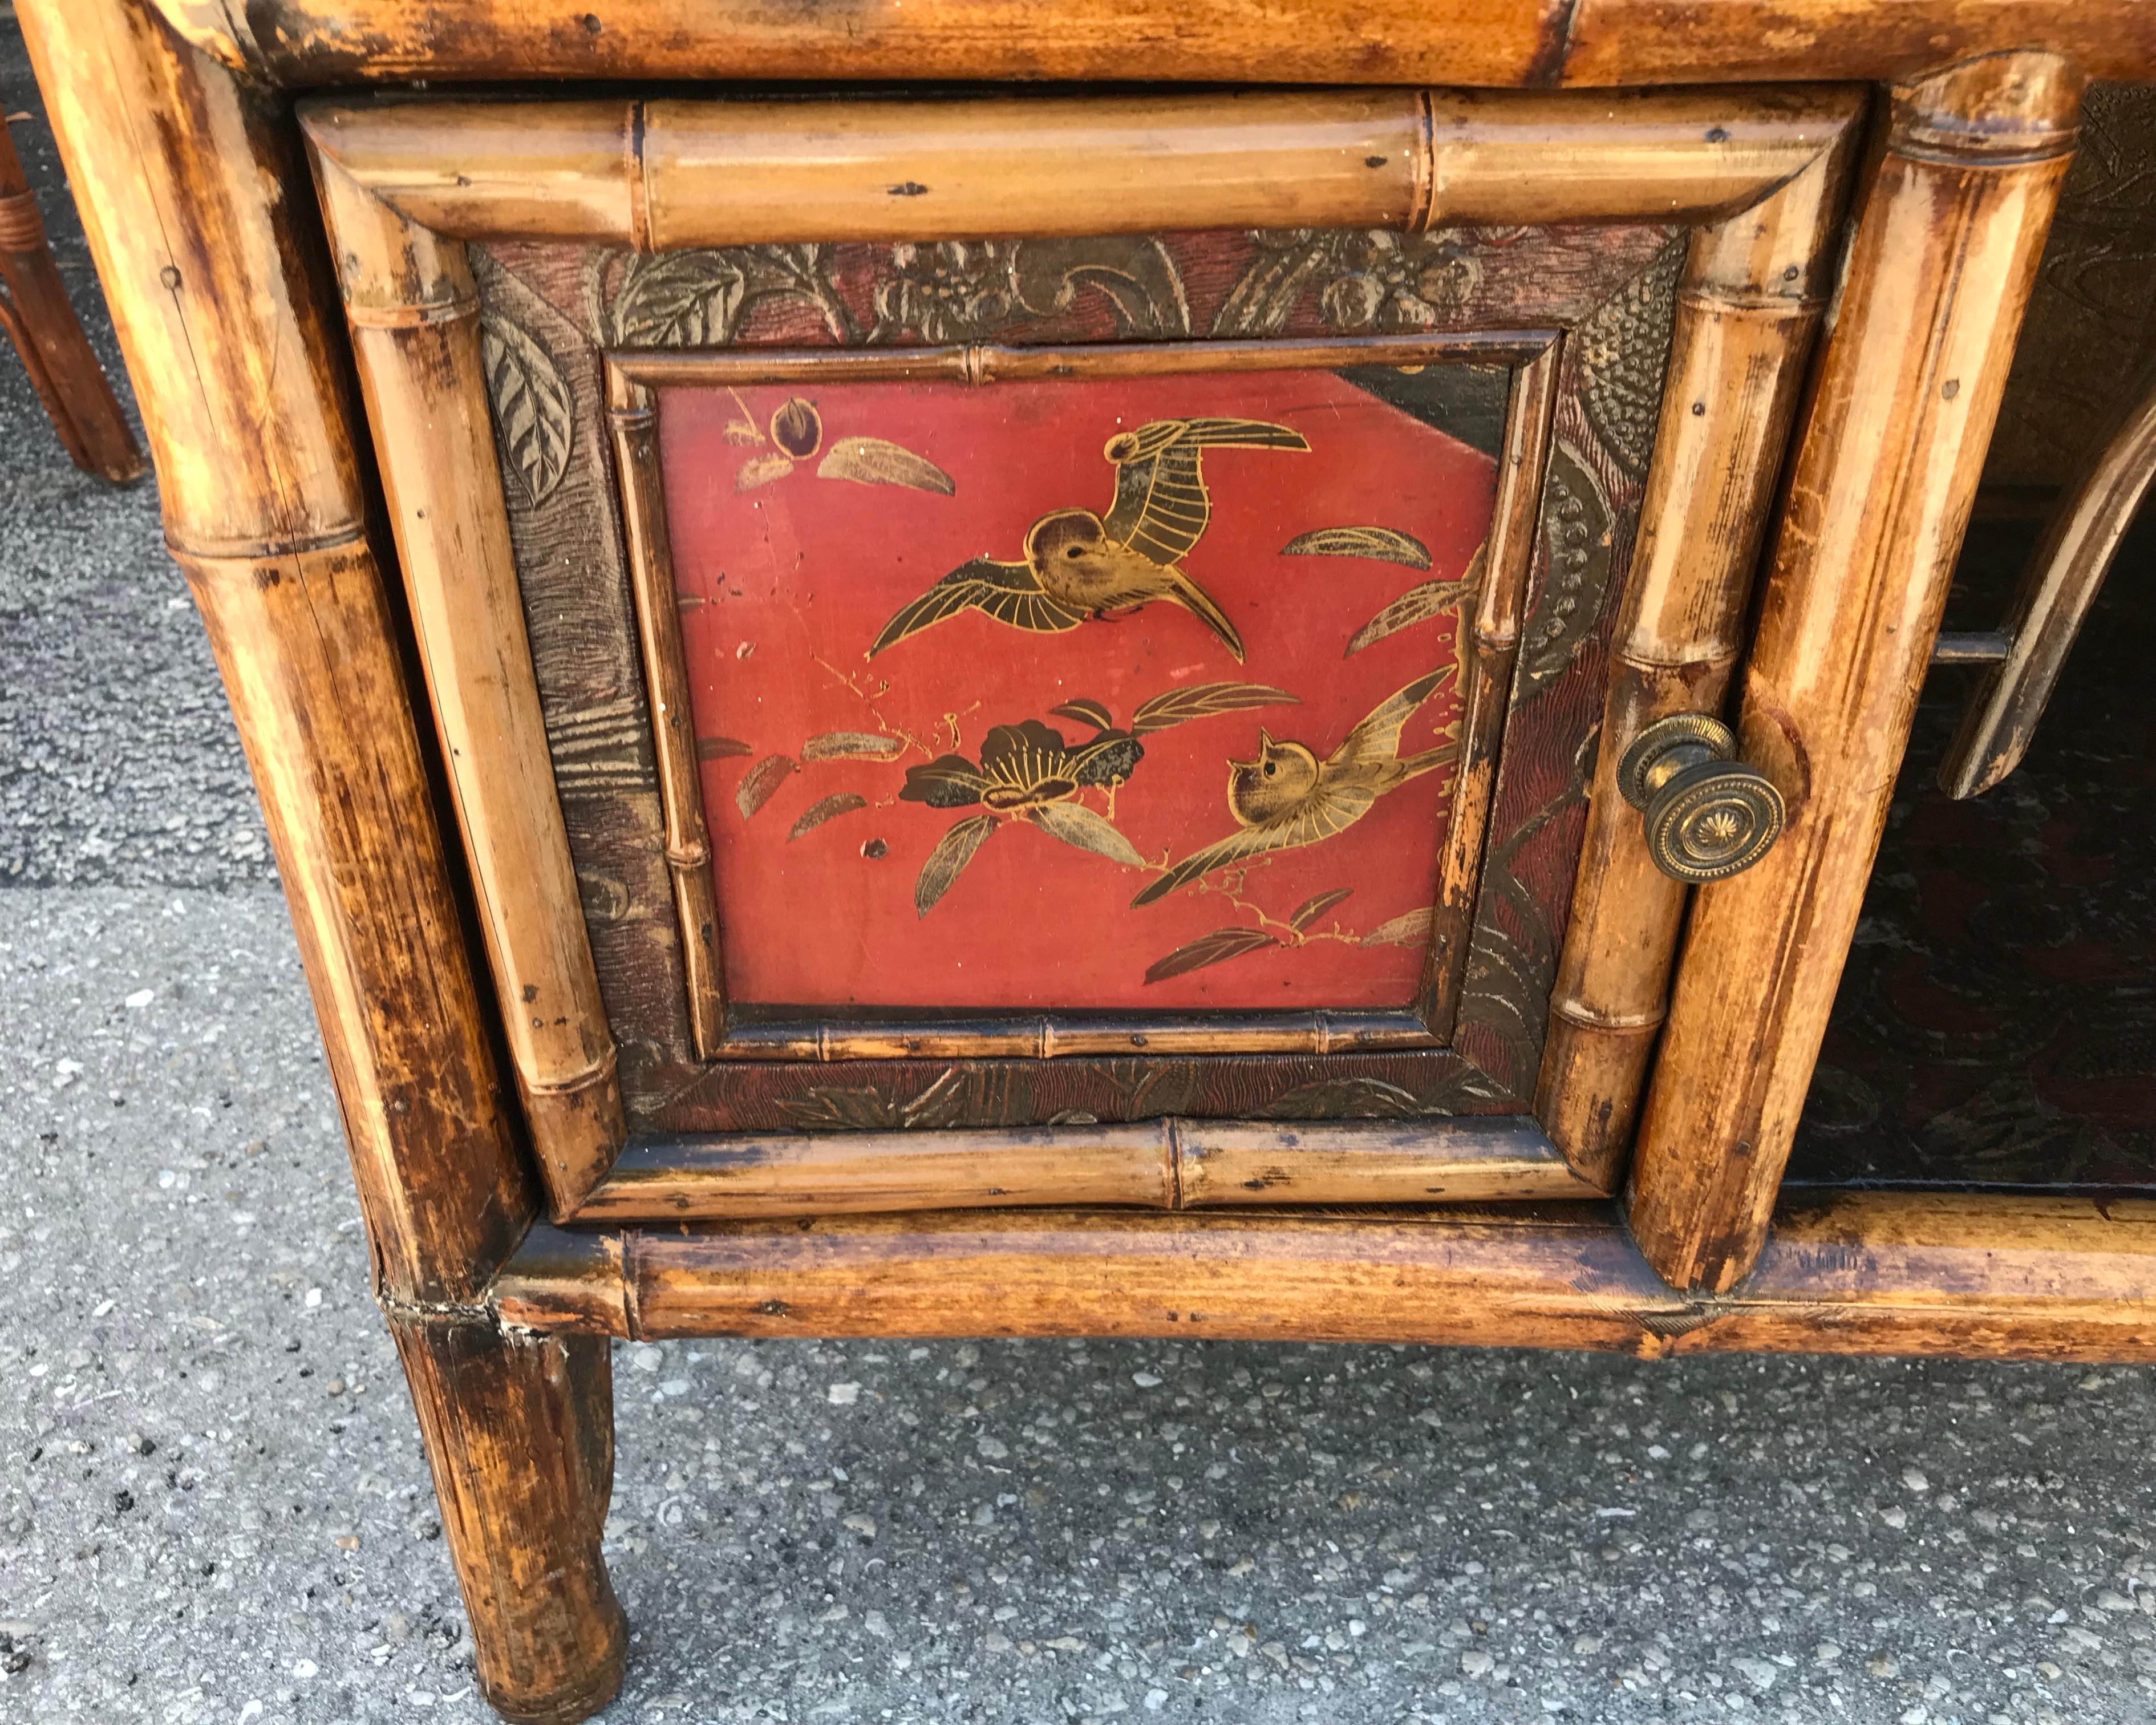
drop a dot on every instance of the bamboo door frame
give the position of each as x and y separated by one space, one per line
404 185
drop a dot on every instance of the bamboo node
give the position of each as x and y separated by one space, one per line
364 316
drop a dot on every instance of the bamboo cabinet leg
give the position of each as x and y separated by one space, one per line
519 1428
190 188
1888 452
1748 306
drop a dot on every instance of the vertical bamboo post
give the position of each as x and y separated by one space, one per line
219 312
519 1428
413 312
1490 646
1748 305
632 412
1891 442
187 189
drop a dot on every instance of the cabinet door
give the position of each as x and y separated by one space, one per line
1136 708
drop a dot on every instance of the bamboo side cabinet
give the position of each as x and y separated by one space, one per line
1442 423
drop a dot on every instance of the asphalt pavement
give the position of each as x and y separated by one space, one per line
213 1508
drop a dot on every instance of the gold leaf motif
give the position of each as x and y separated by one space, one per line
1178 707
1214 948
843 803
1386 545
949 860
762 470
1418 604
852 746
1411 928
533 414
1087 711
760 781
1310 909
871 461
720 748
1075 823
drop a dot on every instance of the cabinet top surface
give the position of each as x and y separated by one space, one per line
1489 42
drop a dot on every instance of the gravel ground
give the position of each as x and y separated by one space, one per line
212 1505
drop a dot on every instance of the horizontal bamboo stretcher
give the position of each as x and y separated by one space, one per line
2007 1278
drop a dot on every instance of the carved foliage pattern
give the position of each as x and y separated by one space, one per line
544 300
1611 376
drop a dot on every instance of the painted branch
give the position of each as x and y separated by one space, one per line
1887 458
413 313
634 419
1491 644
1501 43
223 323
663 174
2056 593
1748 307
1873 1273
519 1431
70 382
1164 1164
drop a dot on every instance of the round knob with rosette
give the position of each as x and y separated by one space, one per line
1708 816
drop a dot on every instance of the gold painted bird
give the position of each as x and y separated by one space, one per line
1287 797
1079 565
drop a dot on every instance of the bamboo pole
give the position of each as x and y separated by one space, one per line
1162 1164
633 417
1492 647
666 174
2001 1278
186 186
1885 470
413 313
220 314
1748 305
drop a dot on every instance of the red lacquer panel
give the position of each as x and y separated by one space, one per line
846 790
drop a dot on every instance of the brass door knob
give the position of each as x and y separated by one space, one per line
1708 816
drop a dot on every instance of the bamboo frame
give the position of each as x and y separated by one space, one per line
1168 1164
663 174
633 414
414 314
2002 1278
404 185
1885 470
1493 646
783 1033
1748 305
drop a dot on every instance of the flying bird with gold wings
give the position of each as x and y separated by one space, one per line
1079 565
1288 797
